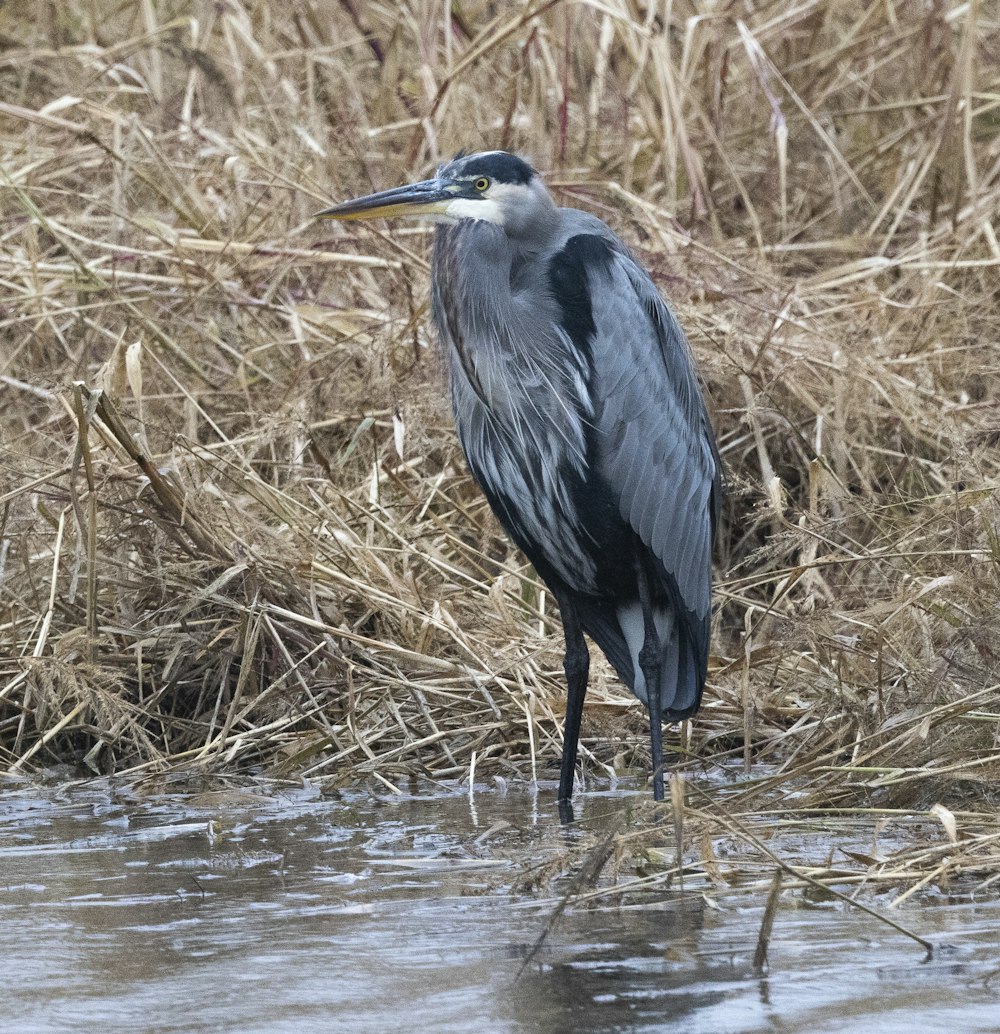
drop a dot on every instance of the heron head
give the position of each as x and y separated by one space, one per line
492 186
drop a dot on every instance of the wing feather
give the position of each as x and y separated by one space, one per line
651 464
654 446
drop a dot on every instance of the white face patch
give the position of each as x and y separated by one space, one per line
510 205
472 208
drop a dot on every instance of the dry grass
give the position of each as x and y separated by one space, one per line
236 529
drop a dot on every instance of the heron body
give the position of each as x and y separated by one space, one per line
578 408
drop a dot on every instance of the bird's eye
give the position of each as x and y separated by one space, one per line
481 184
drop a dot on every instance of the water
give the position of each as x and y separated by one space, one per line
285 912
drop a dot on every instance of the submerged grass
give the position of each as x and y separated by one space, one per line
236 531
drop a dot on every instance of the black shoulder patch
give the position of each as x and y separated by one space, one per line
570 284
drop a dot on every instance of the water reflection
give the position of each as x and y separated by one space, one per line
272 912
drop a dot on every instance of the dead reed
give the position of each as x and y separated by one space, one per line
235 528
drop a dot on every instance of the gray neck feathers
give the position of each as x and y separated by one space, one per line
509 363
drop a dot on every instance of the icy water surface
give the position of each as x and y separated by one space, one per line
284 912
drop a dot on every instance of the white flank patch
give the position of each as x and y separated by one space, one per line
632 626
634 630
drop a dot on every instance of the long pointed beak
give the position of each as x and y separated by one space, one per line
426 198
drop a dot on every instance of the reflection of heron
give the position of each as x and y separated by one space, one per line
579 411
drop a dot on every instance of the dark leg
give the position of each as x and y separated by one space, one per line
577 667
650 660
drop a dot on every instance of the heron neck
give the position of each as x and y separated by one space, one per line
495 317
473 268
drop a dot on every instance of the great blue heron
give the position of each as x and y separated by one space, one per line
578 407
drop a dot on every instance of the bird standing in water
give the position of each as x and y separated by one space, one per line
578 408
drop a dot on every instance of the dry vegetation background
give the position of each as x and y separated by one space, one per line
236 532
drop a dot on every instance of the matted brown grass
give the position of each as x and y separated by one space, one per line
236 528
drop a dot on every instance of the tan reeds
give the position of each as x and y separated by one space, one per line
235 527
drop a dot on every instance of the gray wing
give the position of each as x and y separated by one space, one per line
653 442
652 449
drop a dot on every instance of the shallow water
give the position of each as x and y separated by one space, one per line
263 912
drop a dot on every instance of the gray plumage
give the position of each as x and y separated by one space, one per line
579 411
